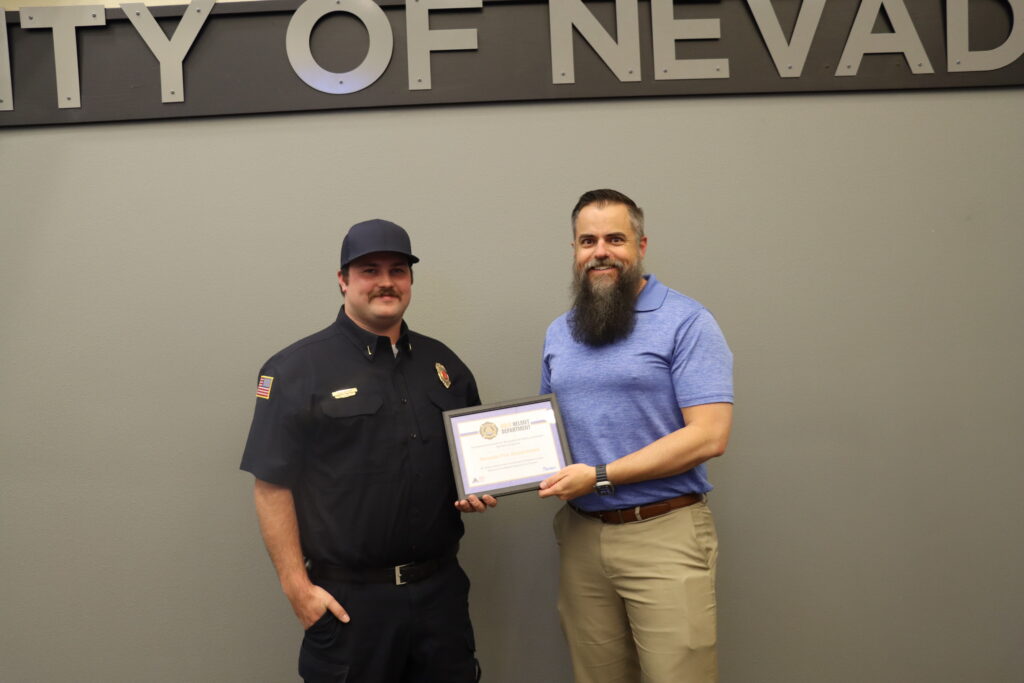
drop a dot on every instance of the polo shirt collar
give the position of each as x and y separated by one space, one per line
652 296
367 341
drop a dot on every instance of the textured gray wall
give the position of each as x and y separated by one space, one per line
862 253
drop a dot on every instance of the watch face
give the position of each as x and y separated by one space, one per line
605 488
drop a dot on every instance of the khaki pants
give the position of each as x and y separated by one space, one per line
637 600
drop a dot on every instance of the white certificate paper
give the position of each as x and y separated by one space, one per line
507 447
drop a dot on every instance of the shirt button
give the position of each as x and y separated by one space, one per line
405 400
412 436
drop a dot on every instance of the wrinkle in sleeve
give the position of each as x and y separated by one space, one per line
472 392
702 363
545 371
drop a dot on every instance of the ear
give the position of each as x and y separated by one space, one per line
342 282
643 245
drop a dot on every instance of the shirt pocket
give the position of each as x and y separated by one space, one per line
361 405
356 436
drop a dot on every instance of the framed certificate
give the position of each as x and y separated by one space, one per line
506 447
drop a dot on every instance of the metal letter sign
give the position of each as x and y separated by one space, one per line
789 57
300 29
622 56
961 58
208 58
903 39
422 41
64 21
170 53
6 92
667 30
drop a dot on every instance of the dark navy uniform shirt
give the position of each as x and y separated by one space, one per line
356 433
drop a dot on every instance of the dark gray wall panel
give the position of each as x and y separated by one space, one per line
239 65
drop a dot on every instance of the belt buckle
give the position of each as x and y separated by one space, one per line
399 581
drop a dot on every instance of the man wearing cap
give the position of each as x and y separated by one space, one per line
354 489
644 380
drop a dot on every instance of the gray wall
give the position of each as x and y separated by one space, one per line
861 252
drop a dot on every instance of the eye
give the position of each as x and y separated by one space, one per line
617 239
586 241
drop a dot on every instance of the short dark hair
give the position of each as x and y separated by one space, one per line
606 196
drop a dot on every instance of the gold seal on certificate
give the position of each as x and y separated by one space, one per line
506 447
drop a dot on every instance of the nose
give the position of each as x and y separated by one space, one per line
600 249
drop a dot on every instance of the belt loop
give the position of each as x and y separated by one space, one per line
398 575
636 511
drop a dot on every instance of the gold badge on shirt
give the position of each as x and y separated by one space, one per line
345 393
442 375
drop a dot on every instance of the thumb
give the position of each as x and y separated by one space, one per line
337 610
550 481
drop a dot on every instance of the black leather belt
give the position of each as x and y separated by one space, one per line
635 514
398 575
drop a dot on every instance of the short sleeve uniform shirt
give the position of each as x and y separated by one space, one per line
355 431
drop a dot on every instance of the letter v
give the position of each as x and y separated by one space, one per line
789 57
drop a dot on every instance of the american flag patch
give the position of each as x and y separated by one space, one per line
263 388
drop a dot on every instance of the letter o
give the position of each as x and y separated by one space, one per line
300 56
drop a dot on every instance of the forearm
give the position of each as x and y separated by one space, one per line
279 527
672 454
704 437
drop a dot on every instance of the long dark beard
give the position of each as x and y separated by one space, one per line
604 314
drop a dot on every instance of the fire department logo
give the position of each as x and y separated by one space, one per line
442 375
488 430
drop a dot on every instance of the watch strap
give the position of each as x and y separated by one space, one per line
602 486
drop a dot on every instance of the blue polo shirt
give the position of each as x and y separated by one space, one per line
616 399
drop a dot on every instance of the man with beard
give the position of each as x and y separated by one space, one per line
644 380
354 489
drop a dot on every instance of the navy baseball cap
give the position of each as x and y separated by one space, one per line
375 235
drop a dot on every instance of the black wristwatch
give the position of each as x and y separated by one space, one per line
603 486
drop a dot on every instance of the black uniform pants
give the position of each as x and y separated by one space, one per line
415 633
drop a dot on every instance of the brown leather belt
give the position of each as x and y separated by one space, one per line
635 514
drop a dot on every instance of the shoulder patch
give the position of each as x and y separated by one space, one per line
263 388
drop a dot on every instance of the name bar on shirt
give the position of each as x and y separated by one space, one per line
87 63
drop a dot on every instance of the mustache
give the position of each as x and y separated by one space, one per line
602 263
386 291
